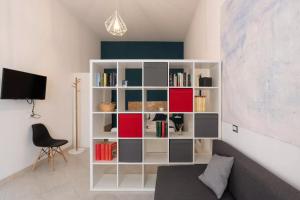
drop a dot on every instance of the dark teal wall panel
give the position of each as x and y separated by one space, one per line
142 50
157 95
134 77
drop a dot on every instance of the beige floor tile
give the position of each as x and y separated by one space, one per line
68 182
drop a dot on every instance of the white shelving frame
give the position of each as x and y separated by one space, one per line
107 175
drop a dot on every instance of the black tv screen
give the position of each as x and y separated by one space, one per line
22 85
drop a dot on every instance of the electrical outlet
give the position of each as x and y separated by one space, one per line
235 128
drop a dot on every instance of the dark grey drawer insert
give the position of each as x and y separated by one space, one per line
206 125
155 74
130 150
181 150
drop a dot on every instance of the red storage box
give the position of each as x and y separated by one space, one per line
130 125
181 100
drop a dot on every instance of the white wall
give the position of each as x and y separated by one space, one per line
40 37
280 158
202 40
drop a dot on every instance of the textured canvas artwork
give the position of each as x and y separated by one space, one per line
261 66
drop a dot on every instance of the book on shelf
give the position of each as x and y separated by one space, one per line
106 79
157 129
105 151
161 129
98 152
200 103
180 80
102 151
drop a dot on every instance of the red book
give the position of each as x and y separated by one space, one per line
97 152
106 151
102 149
109 151
163 129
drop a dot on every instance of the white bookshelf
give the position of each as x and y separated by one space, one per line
141 176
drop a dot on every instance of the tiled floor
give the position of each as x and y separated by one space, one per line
68 182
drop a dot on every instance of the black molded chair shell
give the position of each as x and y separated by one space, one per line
42 138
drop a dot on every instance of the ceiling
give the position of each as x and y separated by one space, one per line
146 20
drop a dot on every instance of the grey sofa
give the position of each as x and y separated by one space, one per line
248 181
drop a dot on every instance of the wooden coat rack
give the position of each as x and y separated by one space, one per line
76 149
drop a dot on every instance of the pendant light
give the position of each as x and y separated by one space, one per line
115 24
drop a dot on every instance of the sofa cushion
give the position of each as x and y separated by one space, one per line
216 174
249 180
182 183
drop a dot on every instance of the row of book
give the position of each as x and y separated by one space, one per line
105 150
106 79
200 103
161 129
180 80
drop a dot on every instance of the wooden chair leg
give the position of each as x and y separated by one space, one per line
63 155
51 158
38 158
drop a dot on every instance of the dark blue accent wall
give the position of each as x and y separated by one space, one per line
142 50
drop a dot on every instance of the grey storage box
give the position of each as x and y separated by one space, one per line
130 150
155 74
206 125
181 150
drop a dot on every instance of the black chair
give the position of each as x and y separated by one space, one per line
41 138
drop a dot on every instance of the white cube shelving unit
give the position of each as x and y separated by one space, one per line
118 175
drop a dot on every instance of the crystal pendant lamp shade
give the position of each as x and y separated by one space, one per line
115 25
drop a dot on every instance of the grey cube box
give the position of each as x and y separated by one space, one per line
181 150
130 150
155 74
206 125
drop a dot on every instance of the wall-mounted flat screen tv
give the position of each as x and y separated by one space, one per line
22 85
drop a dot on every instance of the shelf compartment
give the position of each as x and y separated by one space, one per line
130 150
130 100
104 95
150 174
181 150
208 100
181 100
155 151
130 176
155 100
151 127
186 127
206 125
183 68
203 151
105 177
156 74
206 70
132 72
97 141
105 126
130 125
107 67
